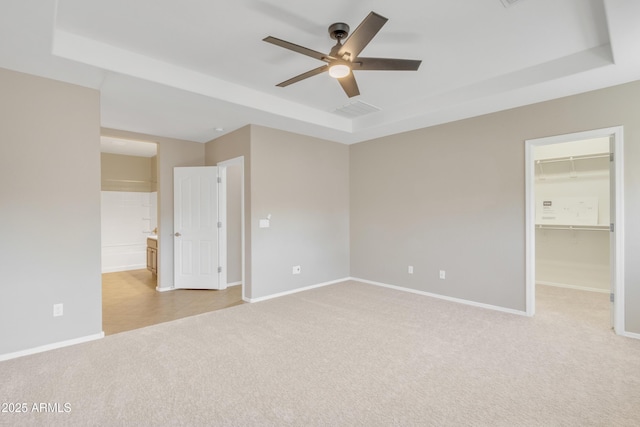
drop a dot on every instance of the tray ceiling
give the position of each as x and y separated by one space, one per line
185 69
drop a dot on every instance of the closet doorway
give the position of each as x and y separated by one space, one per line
574 216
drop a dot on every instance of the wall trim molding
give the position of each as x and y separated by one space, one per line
295 291
239 282
52 346
124 268
443 297
631 335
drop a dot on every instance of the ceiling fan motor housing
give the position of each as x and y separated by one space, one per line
339 31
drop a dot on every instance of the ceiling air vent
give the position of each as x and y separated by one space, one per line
356 109
509 3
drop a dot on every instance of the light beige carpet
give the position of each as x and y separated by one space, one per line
347 354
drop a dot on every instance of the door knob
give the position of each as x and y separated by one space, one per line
177 234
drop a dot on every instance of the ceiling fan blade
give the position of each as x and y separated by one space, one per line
362 35
349 85
386 64
303 76
297 48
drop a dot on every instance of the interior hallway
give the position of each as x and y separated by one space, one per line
130 301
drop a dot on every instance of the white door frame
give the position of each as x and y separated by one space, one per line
239 161
617 274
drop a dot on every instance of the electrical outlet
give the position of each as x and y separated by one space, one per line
443 274
297 269
57 310
410 269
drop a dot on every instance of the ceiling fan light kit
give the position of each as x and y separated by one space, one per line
339 71
343 57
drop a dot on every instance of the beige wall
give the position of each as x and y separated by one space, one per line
303 183
171 153
444 198
49 212
452 197
127 173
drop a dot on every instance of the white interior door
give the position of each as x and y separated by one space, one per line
196 228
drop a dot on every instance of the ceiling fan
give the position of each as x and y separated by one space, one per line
343 58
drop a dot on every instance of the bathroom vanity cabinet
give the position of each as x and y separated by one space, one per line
152 255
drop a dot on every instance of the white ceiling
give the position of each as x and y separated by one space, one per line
183 69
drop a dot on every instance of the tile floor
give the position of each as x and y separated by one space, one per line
130 301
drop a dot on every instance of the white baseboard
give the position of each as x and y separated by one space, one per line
234 284
631 335
124 268
443 297
53 346
294 291
579 288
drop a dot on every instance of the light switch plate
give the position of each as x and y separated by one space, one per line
265 223
58 310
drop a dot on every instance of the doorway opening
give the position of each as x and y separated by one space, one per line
574 198
131 298
129 225
129 204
